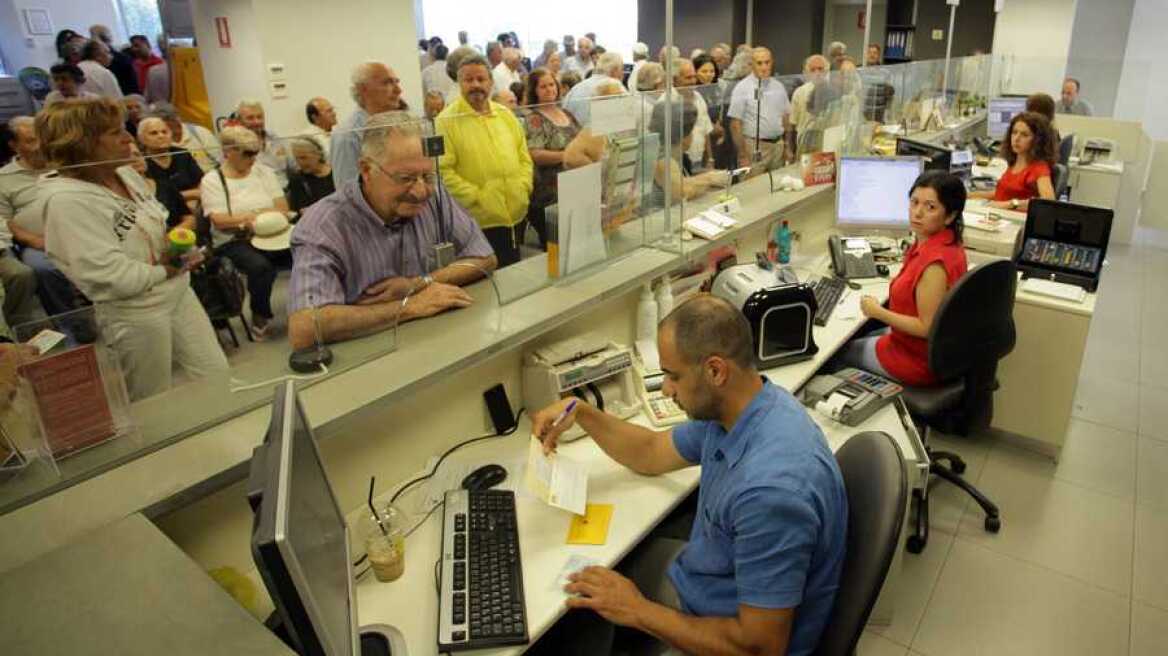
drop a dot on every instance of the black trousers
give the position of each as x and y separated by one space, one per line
260 269
505 242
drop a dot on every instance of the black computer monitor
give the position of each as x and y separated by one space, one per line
1065 242
299 540
937 158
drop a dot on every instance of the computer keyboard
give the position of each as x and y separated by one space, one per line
827 295
480 601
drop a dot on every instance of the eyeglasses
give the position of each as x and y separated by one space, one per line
428 178
249 153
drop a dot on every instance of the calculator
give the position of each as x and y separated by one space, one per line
662 410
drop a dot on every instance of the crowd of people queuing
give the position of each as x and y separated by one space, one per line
355 206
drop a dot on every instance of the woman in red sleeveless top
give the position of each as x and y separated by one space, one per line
932 265
1030 153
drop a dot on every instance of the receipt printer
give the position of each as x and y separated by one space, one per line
849 396
587 367
780 315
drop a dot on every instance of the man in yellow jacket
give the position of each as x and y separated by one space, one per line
487 167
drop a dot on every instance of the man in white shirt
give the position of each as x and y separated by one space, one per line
507 72
609 68
95 58
67 82
685 79
20 180
581 62
275 154
321 119
815 73
759 111
434 76
376 88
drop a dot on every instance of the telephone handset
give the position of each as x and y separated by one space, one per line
851 257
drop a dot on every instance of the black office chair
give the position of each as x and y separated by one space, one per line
972 330
1065 146
1062 176
877 487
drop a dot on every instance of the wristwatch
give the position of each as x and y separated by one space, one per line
427 281
1013 203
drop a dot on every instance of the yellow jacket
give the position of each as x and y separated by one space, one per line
486 166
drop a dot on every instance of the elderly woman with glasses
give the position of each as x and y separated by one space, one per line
233 196
107 233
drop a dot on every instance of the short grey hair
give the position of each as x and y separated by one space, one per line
611 62
385 125
237 135
136 97
807 62
707 326
454 59
310 144
837 46
249 103
473 60
650 76
360 76
164 111
434 93
145 122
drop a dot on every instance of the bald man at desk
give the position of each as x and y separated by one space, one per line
360 251
762 565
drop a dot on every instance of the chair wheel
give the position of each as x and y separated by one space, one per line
958 466
915 544
993 524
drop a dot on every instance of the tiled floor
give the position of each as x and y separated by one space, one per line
1081 563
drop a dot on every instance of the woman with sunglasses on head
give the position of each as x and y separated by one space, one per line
233 196
107 234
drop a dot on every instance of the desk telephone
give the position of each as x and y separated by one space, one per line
851 257
850 395
660 409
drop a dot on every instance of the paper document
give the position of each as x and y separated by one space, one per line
592 526
556 480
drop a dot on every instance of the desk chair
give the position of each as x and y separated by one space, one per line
1065 147
877 487
973 329
1062 176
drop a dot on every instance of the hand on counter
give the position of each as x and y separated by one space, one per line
387 290
870 306
437 297
612 596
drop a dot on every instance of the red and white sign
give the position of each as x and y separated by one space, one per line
223 31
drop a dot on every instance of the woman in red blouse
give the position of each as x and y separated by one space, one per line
1030 152
932 265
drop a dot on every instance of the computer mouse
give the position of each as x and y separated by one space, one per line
484 477
883 270
786 274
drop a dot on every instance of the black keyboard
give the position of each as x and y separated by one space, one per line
480 602
827 296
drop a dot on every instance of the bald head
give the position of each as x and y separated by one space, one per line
320 113
706 326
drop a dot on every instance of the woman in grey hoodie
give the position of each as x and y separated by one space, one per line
107 233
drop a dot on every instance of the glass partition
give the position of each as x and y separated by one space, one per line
550 180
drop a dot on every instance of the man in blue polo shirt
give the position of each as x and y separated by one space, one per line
762 565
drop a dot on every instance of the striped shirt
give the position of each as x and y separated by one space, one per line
341 246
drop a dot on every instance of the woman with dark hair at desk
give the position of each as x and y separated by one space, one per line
1030 153
932 265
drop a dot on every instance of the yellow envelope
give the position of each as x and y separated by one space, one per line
592 526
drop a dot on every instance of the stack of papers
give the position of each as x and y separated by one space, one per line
556 480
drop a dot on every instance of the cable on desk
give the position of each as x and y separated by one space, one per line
451 450
423 520
437 576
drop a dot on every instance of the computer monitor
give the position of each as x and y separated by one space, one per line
1001 112
872 192
937 158
299 540
1065 242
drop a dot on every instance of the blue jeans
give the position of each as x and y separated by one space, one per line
54 289
861 354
